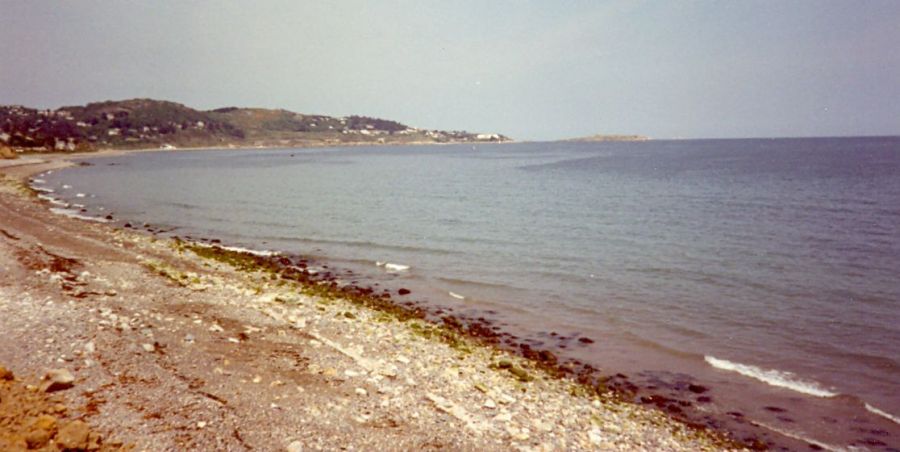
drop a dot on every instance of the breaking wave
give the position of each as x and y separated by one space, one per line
74 214
392 267
883 414
772 377
238 249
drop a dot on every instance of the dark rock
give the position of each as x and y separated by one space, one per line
774 409
585 340
109 217
403 291
697 389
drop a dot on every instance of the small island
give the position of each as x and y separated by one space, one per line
602 137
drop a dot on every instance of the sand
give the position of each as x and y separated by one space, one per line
174 351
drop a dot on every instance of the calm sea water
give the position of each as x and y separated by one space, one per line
765 268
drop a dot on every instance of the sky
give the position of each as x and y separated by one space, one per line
533 70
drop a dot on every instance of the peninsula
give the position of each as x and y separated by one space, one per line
148 123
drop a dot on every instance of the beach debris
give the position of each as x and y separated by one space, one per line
58 380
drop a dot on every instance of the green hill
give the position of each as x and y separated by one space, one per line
147 123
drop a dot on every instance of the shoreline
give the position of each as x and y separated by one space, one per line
181 270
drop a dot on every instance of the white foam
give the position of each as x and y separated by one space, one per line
457 296
74 214
237 249
38 181
79 195
264 253
53 200
66 187
802 438
393 268
883 414
772 377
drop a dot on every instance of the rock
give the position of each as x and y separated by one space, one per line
89 347
149 348
295 446
520 373
504 364
489 403
40 431
361 392
58 380
697 389
6 374
403 291
74 435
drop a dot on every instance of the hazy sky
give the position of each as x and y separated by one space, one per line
532 70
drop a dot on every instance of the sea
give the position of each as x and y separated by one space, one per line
766 270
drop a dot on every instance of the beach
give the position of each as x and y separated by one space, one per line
175 349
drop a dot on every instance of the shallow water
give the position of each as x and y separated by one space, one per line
766 268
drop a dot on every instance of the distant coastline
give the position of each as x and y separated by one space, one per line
154 124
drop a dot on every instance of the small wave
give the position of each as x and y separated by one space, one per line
392 267
800 437
74 214
457 296
42 189
38 181
53 200
883 414
772 377
238 249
